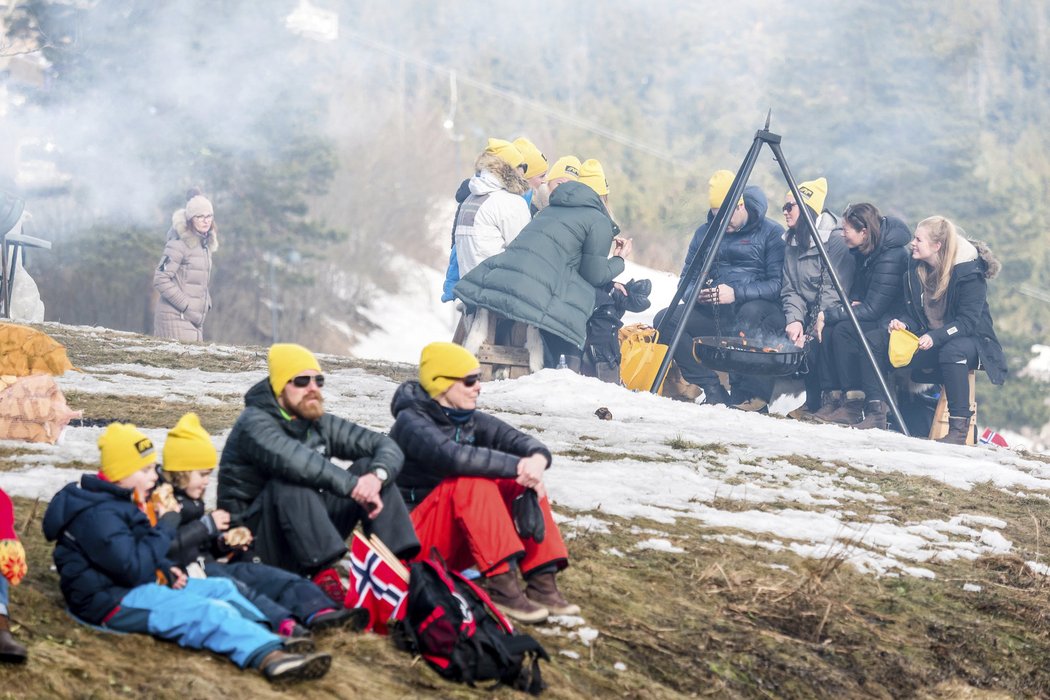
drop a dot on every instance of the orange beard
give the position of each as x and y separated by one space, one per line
310 407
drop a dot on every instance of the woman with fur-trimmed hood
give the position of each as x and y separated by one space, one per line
946 305
495 212
184 272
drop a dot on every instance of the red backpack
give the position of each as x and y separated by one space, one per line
456 628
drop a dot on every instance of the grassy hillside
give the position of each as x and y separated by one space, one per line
724 617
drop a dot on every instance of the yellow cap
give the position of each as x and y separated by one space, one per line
592 175
287 360
718 187
125 450
505 151
903 344
441 364
535 161
189 447
814 192
566 166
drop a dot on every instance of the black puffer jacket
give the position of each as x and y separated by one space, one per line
750 260
197 536
877 280
966 311
436 448
265 445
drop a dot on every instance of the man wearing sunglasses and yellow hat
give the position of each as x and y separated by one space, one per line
277 476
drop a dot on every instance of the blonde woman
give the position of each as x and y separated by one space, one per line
184 272
945 297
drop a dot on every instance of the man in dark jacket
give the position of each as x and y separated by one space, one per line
742 293
276 475
463 470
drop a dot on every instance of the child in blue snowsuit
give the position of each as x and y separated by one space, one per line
283 597
114 572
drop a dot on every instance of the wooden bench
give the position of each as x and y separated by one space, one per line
939 428
519 351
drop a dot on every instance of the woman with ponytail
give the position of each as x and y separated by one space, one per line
945 298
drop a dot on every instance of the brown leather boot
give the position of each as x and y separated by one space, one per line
11 652
505 592
958 429
543 589
850 412
876 415
830 401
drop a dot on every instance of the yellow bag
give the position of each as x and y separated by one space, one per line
903 344
640 356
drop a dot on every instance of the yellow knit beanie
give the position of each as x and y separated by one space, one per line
566 166
592 175
535 161
189 447
125 450
287 360
441 364
718 187
814 192
505 151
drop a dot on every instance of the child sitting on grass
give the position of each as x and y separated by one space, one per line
283 597
115 573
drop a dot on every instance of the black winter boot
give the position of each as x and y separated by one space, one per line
11 652
958 430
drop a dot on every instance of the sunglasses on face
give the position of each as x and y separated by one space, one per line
303 380
788 207
468 381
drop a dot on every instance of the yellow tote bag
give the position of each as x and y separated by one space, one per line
640 356
903 344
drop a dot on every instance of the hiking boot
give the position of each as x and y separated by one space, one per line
752 405
876 415
297 644
329 581
282 667
958 430
715 394
850 412
353 619
542 589
505 592
830 401
11 652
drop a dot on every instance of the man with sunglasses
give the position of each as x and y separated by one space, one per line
277 476
742 293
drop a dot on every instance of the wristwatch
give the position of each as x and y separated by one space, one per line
381 473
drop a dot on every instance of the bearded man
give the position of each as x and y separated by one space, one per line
277 477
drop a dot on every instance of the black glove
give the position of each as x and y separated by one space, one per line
528 517
638 292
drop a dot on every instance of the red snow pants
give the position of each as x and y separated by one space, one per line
468 520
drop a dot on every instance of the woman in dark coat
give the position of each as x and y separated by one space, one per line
548 275
879 246
463 470
946 305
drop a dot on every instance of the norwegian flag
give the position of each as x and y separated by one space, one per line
378 582
990 437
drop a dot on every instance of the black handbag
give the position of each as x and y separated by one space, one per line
528 517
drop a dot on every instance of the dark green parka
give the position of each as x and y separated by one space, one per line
547 275
264 445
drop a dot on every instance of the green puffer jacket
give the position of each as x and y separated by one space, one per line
264 445
547 275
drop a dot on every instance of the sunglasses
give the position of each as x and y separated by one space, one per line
303 380
788 207
468 381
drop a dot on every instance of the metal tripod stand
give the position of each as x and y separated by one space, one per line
700 266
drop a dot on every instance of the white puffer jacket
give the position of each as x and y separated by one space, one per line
493 215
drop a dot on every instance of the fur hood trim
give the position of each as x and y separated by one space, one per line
509 177
984 252
190 238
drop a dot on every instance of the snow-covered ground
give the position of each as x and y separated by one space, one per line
751 492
